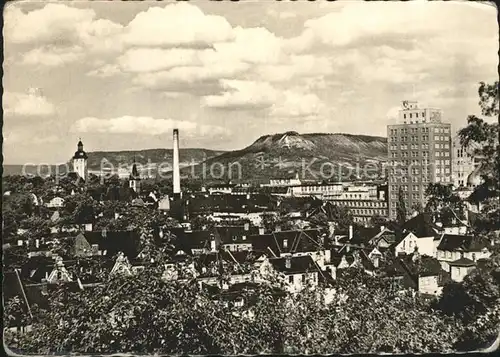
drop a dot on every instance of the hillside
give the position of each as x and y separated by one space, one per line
278 155
290 153
151 157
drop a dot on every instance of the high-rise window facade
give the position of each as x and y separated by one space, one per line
422 159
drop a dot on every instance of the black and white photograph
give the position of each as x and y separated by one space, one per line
250 177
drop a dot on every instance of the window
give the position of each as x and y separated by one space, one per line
404 116
436 146
410 115
416 115
285 243
290 279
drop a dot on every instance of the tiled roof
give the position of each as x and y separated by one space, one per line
114 242
301 264
230 203
307 240
424 266
421 225
463 262
465 243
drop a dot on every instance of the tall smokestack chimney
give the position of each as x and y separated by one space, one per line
175 166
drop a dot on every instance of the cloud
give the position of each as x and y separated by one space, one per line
251 95
52 56
58 24
30 104
143 126
244 95
294 103
106 70
191 78
296 66
281 14
179 24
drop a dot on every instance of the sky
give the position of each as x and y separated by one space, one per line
122 75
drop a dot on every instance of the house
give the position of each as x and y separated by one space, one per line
410 241
221 188
460 268
164 203
454 247
236 238
422 225
110 243
292 242
384 239
349 256
297 272
56 202
427 273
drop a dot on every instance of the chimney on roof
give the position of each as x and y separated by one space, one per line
350 232
261 231
278 228
382 228
288 262
175 166
247 226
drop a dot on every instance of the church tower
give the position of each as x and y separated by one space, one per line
80 162
135 179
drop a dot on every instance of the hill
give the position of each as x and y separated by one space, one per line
311 156
148 158
316 156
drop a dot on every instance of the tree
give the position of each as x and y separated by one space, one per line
443 203
377 220
475 302
484 137
401 208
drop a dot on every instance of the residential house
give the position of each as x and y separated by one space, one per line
460 268
297 272
56 202
454 247
410 241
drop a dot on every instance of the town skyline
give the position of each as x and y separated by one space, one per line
123 88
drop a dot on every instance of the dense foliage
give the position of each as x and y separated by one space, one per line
145 314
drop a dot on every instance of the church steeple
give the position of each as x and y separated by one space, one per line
135 178
80 161
80 154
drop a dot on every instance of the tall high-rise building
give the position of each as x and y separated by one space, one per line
80 161
419 153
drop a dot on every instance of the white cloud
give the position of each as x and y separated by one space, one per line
251 95
295 103
58 23
176 24
106 70
252 45
155 59
142 126
31 104
184 78
242 95
281 14
296 66
52 56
